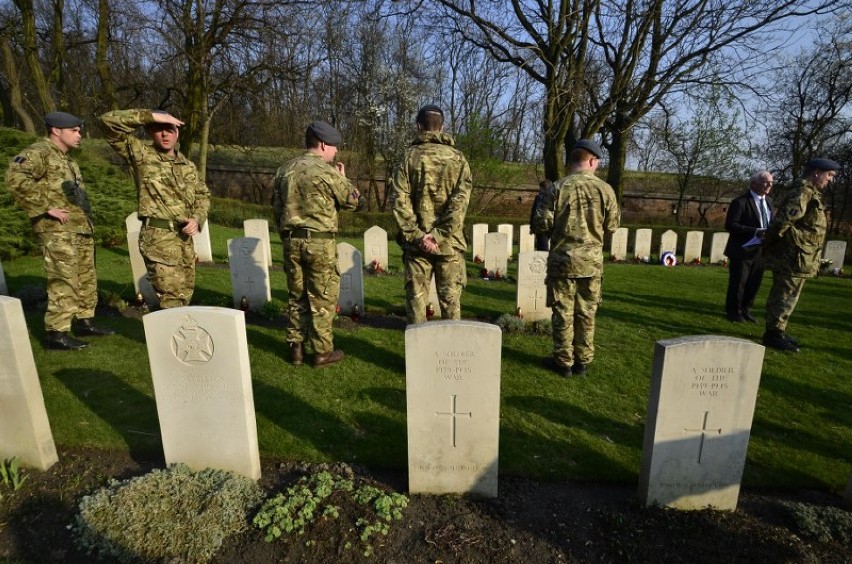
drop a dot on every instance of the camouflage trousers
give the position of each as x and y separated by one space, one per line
170 261
72 288
450 279
313 286
574 302
782 300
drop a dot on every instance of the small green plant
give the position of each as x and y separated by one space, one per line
166 515
11 473
311 499
825 524
512 324
273 309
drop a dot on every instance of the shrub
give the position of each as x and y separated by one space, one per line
166 514
825 524
512 324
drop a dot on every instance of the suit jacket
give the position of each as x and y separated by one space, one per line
742 221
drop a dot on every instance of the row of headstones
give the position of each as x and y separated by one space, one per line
700 408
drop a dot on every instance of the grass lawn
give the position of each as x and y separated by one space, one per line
551 428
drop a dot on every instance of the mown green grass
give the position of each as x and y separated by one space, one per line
550 428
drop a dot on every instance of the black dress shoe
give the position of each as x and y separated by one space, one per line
85 328
62 340
749 317
776 340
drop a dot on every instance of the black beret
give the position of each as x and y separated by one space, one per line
421 115
325 133
590 146
822 164
61 120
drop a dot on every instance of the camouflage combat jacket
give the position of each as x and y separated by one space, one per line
42 177
307 194
168 186
584 210
431 191
796 234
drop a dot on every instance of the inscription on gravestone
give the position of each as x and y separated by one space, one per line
351 270
496 259
835 251
618 245
532 291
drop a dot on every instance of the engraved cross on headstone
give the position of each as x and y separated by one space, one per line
453 413
703 430
250 283
535 297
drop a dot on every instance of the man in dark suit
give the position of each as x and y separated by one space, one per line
748 217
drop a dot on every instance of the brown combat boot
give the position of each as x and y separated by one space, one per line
85 328
62 340
297 353
328 358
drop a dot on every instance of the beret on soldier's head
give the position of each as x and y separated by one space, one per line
428 108
822 164
325 133
590 146
62 120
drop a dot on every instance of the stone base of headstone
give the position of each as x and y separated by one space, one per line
700 409
24 428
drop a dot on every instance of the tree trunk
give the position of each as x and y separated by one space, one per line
15 96
107 90
203 148
30 44
617 159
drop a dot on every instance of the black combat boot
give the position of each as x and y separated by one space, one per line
62 340
776 340
85 328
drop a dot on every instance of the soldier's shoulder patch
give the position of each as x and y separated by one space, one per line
19 159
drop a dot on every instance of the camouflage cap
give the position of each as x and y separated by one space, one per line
822 164
62 120
590 146
325 133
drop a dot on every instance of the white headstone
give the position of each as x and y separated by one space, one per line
24 428
137 263
618 245
717 247
668 242
4 288
526 240
532 291
351 278
700 410
509 230
496 258
452 375
249 272
259 228
376 246
478 244
835 251
642 244
202 386
201 243
692 247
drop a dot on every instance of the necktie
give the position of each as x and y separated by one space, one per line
763 215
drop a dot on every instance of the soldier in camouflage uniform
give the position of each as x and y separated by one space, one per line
792 248
583 211
307 193
431 192
48 186
173 201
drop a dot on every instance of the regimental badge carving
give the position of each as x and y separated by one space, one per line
246 250
538 265
191 343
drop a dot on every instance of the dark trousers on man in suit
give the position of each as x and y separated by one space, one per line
744 278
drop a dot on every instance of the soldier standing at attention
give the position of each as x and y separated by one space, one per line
584 210
793 247
173 201
431 192
307 193
48 186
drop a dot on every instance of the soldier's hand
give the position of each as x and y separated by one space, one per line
429 244
166 118
341 168
190 227
59 214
